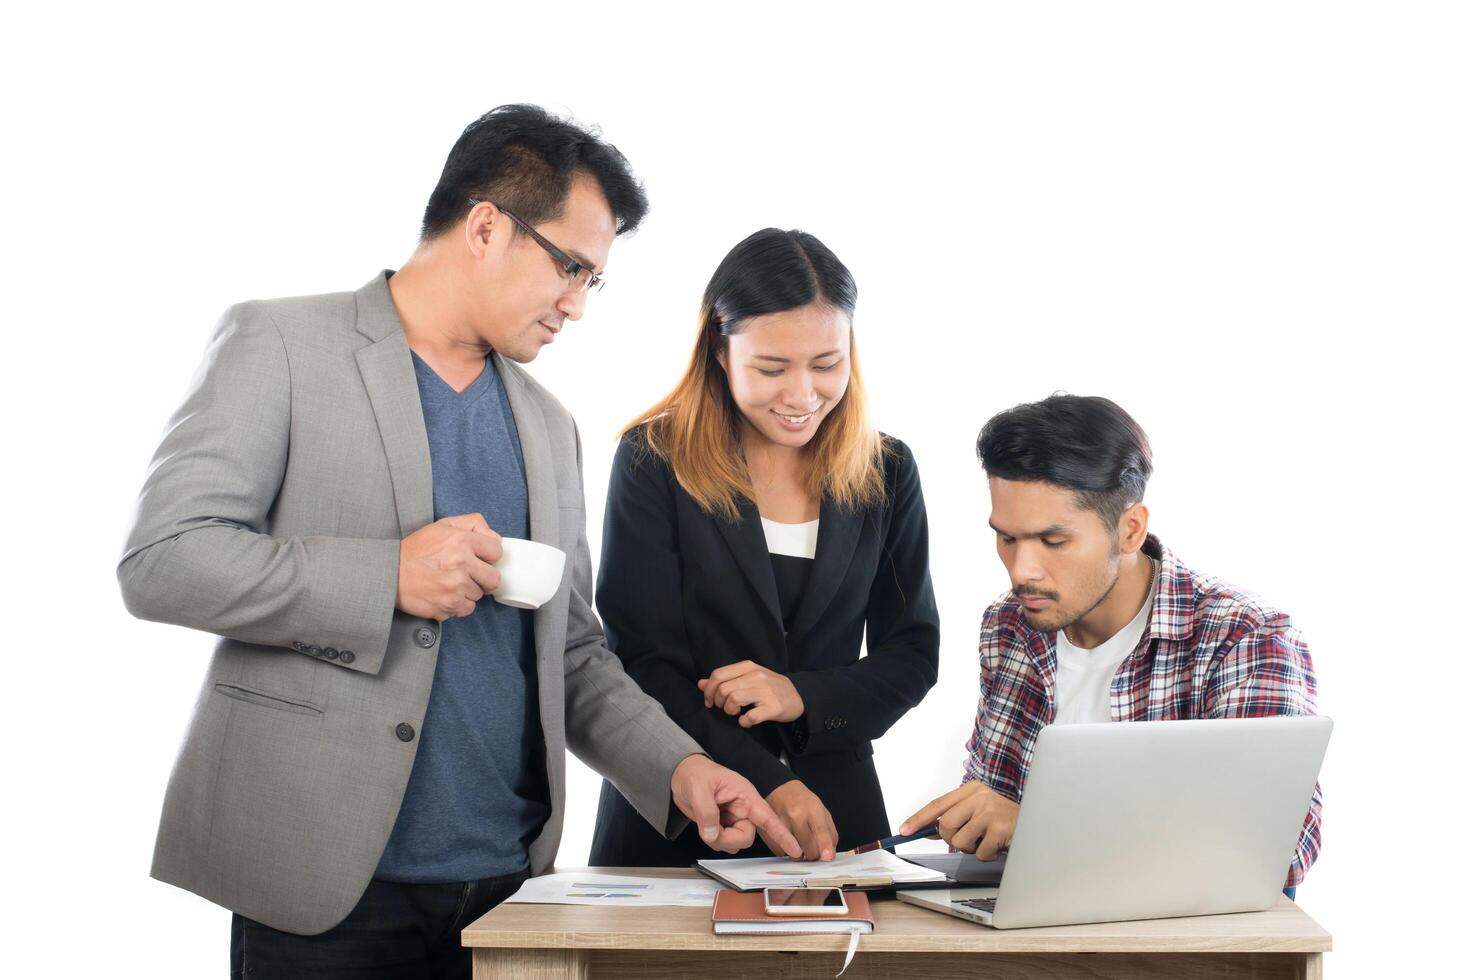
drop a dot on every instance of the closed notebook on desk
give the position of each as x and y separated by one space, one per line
744 912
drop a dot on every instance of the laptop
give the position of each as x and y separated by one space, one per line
1150 820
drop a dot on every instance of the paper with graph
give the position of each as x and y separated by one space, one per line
573 888
871 870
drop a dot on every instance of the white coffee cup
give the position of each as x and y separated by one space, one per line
530 573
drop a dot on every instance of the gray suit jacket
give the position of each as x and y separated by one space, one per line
271 517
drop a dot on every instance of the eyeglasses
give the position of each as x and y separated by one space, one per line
583 278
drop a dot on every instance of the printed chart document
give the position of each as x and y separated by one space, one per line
572 888
875 869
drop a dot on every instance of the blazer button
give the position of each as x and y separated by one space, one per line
330 653
314 650
425 636
404 731
347 656
298 646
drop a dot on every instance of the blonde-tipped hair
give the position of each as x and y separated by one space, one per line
697 428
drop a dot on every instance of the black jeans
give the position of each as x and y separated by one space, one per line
397 931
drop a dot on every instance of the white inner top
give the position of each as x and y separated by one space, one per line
796 540
1084 677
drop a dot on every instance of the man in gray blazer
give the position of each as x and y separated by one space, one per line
377 755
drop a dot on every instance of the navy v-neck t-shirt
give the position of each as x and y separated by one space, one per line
477 796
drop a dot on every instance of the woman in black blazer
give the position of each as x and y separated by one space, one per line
757 526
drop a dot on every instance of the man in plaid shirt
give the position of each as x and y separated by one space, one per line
1102 622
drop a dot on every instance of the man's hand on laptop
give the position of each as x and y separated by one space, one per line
973 818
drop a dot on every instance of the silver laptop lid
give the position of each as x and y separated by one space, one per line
1144 820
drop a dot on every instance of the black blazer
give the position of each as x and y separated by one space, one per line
682 593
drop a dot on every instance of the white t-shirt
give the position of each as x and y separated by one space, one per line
794 540
1084 677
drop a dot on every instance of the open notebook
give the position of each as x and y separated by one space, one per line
875 869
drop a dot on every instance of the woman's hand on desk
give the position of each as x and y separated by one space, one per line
973 818
727 809
768 695
803 812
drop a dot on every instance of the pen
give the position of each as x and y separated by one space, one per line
898 839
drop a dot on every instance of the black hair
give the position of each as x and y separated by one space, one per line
523 158
773 271
1088 445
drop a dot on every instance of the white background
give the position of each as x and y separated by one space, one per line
1246 223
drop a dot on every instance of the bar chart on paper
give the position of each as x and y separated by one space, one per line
618 890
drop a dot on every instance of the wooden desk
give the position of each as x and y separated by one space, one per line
576 942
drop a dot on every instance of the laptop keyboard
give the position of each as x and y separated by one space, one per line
981 904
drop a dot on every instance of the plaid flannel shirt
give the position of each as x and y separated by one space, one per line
1209 651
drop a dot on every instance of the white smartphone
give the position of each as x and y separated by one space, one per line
805 901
